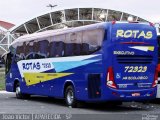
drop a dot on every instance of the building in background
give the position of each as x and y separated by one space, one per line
4 36
67 18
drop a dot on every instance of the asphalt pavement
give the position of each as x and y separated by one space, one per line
39 105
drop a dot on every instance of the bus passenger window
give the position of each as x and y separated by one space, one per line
77 49
56 49
36 50
78 45
19 53
40 49
73 44
68 49
85 49
30 50
52 50
92 41
60 49
56 46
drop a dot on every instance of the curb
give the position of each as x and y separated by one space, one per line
4 92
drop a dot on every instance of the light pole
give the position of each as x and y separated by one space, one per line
51 6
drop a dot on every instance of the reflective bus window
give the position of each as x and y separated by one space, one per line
36 49
56 46
30 50
78 43
41 48
73 44
92 40
20 52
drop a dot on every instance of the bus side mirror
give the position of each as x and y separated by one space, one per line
3 58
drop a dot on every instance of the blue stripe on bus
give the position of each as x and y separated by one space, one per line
63 66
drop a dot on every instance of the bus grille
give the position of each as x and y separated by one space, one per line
134 59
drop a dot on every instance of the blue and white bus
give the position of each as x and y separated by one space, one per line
110 61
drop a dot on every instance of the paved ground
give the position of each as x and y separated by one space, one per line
44 105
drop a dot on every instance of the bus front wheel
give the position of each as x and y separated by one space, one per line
19 94
70 97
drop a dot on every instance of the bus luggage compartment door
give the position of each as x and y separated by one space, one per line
94 83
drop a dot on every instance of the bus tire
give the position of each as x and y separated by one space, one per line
70 97
19 94
118 103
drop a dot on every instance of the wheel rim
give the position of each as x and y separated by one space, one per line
70 97
18 90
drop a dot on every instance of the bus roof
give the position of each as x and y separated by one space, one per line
49 33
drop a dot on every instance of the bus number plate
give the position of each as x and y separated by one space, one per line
133 69
135 94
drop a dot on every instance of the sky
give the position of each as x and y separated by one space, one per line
20 11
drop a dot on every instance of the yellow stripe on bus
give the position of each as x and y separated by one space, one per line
151 48
35 78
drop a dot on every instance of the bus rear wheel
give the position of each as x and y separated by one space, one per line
19 94
70 97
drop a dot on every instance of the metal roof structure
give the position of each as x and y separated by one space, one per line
4 27
67 18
